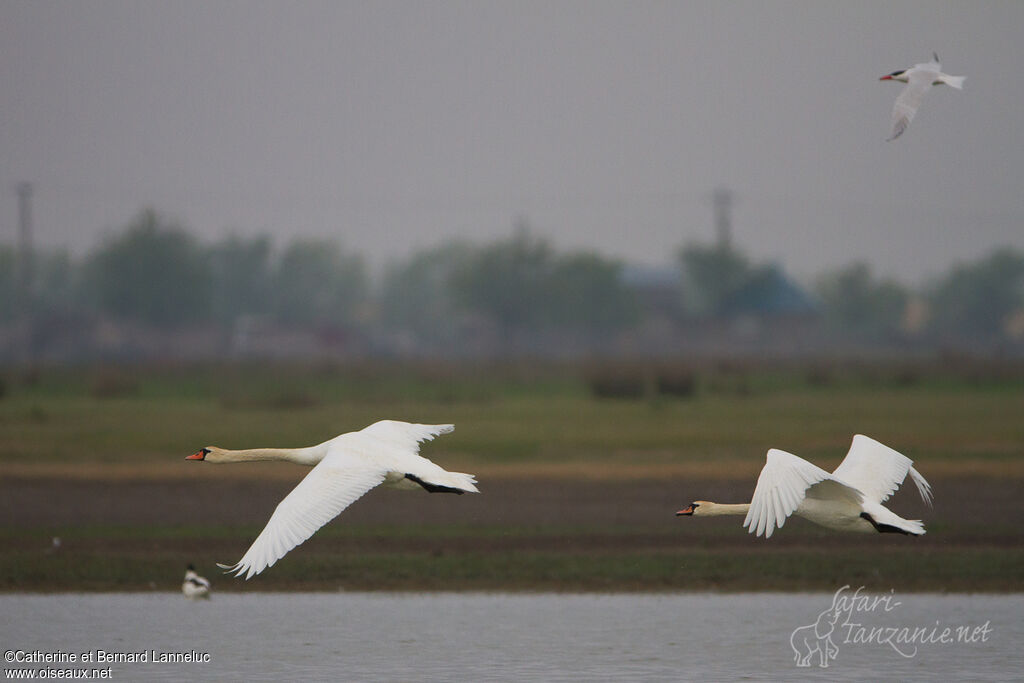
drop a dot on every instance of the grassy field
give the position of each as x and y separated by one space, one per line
578 491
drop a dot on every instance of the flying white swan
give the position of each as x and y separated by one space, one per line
919 79
849 499
195 586
344 468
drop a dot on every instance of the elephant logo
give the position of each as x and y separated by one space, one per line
816 638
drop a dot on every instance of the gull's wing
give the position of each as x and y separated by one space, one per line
330 487
877 470
918 84
783 484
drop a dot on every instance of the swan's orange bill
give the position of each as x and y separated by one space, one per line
688 510
196 456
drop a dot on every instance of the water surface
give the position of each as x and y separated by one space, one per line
510 637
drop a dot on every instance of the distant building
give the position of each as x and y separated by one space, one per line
770 314
656 289
769 294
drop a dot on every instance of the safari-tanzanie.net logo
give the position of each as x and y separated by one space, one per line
861 619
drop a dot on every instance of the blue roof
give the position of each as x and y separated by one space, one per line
770 292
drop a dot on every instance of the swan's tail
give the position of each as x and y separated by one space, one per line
445 482
914 527
954 81
886 521
923 487
465 483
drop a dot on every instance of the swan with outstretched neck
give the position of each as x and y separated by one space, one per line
344 468
849 499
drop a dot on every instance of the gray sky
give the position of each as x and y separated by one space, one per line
393 125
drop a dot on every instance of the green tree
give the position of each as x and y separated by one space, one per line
8 283
857 304
973 300
56 281
240 271
153 272
525 289
711 275
54 286
586 294
416 295
315 282
507 282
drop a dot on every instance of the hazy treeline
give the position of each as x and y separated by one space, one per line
155 273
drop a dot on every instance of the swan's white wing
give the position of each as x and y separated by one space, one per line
405 436
782 486
877 470
395 446
330 487
923 487
918 84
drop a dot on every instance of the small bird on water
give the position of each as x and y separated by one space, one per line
195 587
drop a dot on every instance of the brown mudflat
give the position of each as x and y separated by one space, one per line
566 523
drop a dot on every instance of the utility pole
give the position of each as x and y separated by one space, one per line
722 200
26 270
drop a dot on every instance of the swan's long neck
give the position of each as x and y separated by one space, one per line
718 509
301 456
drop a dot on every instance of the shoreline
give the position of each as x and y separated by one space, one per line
519 535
